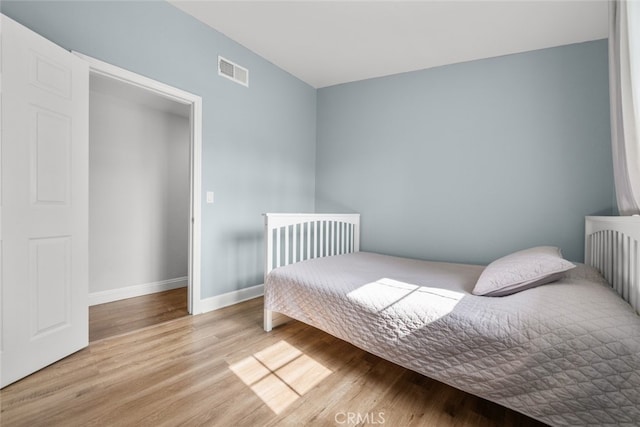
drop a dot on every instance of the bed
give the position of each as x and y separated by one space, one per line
565 353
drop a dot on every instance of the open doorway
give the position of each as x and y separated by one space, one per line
144 186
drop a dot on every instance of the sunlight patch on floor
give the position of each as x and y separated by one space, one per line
280 374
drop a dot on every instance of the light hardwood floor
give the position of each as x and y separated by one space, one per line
115 318
221 369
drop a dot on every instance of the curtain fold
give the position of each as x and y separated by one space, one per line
624 93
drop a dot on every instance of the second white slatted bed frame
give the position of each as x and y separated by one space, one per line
611 246
290 238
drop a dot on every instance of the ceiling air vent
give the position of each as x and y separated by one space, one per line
233 71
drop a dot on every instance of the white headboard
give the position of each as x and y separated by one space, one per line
293 237
611 246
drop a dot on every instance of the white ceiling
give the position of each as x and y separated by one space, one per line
330 42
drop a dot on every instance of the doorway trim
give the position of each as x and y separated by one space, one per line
104 69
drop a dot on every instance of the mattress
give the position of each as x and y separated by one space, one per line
566 353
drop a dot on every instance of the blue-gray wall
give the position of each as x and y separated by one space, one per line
461 163
258 142
471 161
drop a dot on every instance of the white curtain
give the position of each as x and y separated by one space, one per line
624 92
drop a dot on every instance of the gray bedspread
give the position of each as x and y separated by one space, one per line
566 353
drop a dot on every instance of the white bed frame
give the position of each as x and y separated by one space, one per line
291 238
611 246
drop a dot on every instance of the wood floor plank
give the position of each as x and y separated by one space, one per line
106 320
222 369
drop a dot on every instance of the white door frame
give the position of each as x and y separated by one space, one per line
195 102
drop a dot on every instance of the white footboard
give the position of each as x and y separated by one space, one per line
611 246
291 238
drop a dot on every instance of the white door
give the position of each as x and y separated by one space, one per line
44 225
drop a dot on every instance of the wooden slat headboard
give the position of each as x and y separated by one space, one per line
611 246
293 237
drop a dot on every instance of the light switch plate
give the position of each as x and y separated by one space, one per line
209 196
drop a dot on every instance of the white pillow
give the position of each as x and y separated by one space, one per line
522 270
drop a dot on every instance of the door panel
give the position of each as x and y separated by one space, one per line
50 76
44 217
50 264
50 155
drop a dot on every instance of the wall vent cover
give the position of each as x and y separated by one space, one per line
233 71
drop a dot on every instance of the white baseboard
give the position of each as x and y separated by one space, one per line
230 298
111 295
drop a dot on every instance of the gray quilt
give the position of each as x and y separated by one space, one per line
566 353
